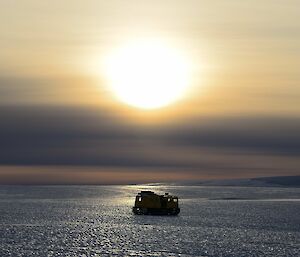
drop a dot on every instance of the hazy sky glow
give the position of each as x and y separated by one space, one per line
60 121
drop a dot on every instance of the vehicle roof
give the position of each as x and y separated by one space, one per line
152 193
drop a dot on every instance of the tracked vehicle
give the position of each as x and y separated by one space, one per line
147 202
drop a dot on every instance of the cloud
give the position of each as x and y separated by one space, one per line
275 135
92 137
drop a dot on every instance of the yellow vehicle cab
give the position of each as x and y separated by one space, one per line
147 202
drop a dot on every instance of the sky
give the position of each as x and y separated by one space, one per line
61 123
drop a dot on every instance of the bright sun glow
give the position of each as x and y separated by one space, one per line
148 74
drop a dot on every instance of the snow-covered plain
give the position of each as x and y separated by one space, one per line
97 221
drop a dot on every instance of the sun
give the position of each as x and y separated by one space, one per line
147 74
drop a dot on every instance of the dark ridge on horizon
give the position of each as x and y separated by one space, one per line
281 180
276 181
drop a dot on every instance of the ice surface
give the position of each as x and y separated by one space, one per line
97 221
